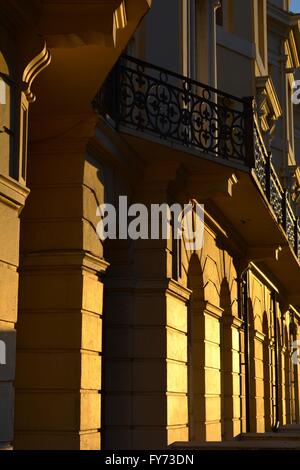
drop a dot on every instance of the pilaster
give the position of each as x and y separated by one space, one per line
58 379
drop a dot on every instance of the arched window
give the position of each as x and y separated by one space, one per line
5 117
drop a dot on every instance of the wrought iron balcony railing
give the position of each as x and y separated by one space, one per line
151 100
278 198
298 241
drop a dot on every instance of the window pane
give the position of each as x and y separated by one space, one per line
4 127
2 92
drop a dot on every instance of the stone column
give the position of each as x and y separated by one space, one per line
12 200
212 371
58 378
13 194
207 366
231 383
145 339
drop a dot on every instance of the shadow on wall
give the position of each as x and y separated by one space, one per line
267 365
228 374
253 402
7 377
196 353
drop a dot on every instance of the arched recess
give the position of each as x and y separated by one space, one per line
267 373
294 385
280 368
6 126
296 377
252 378
287 375
196 352
230 367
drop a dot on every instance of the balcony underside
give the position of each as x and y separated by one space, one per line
230 190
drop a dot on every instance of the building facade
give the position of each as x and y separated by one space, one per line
136 344
51 259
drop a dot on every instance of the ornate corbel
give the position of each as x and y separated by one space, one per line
33 69
268 107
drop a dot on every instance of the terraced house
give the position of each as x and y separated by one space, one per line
138 344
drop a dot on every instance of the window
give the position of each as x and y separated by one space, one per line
5 117
220 14
261 28
2 92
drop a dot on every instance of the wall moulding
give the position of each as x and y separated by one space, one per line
212 310
12 193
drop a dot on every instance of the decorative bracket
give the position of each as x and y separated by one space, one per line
33 69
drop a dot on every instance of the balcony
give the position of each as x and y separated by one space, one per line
278 198
153 103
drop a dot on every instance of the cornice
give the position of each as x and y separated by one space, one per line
259 335
66 260
285 19
231 321
179 291
212 310
13 193
165 286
